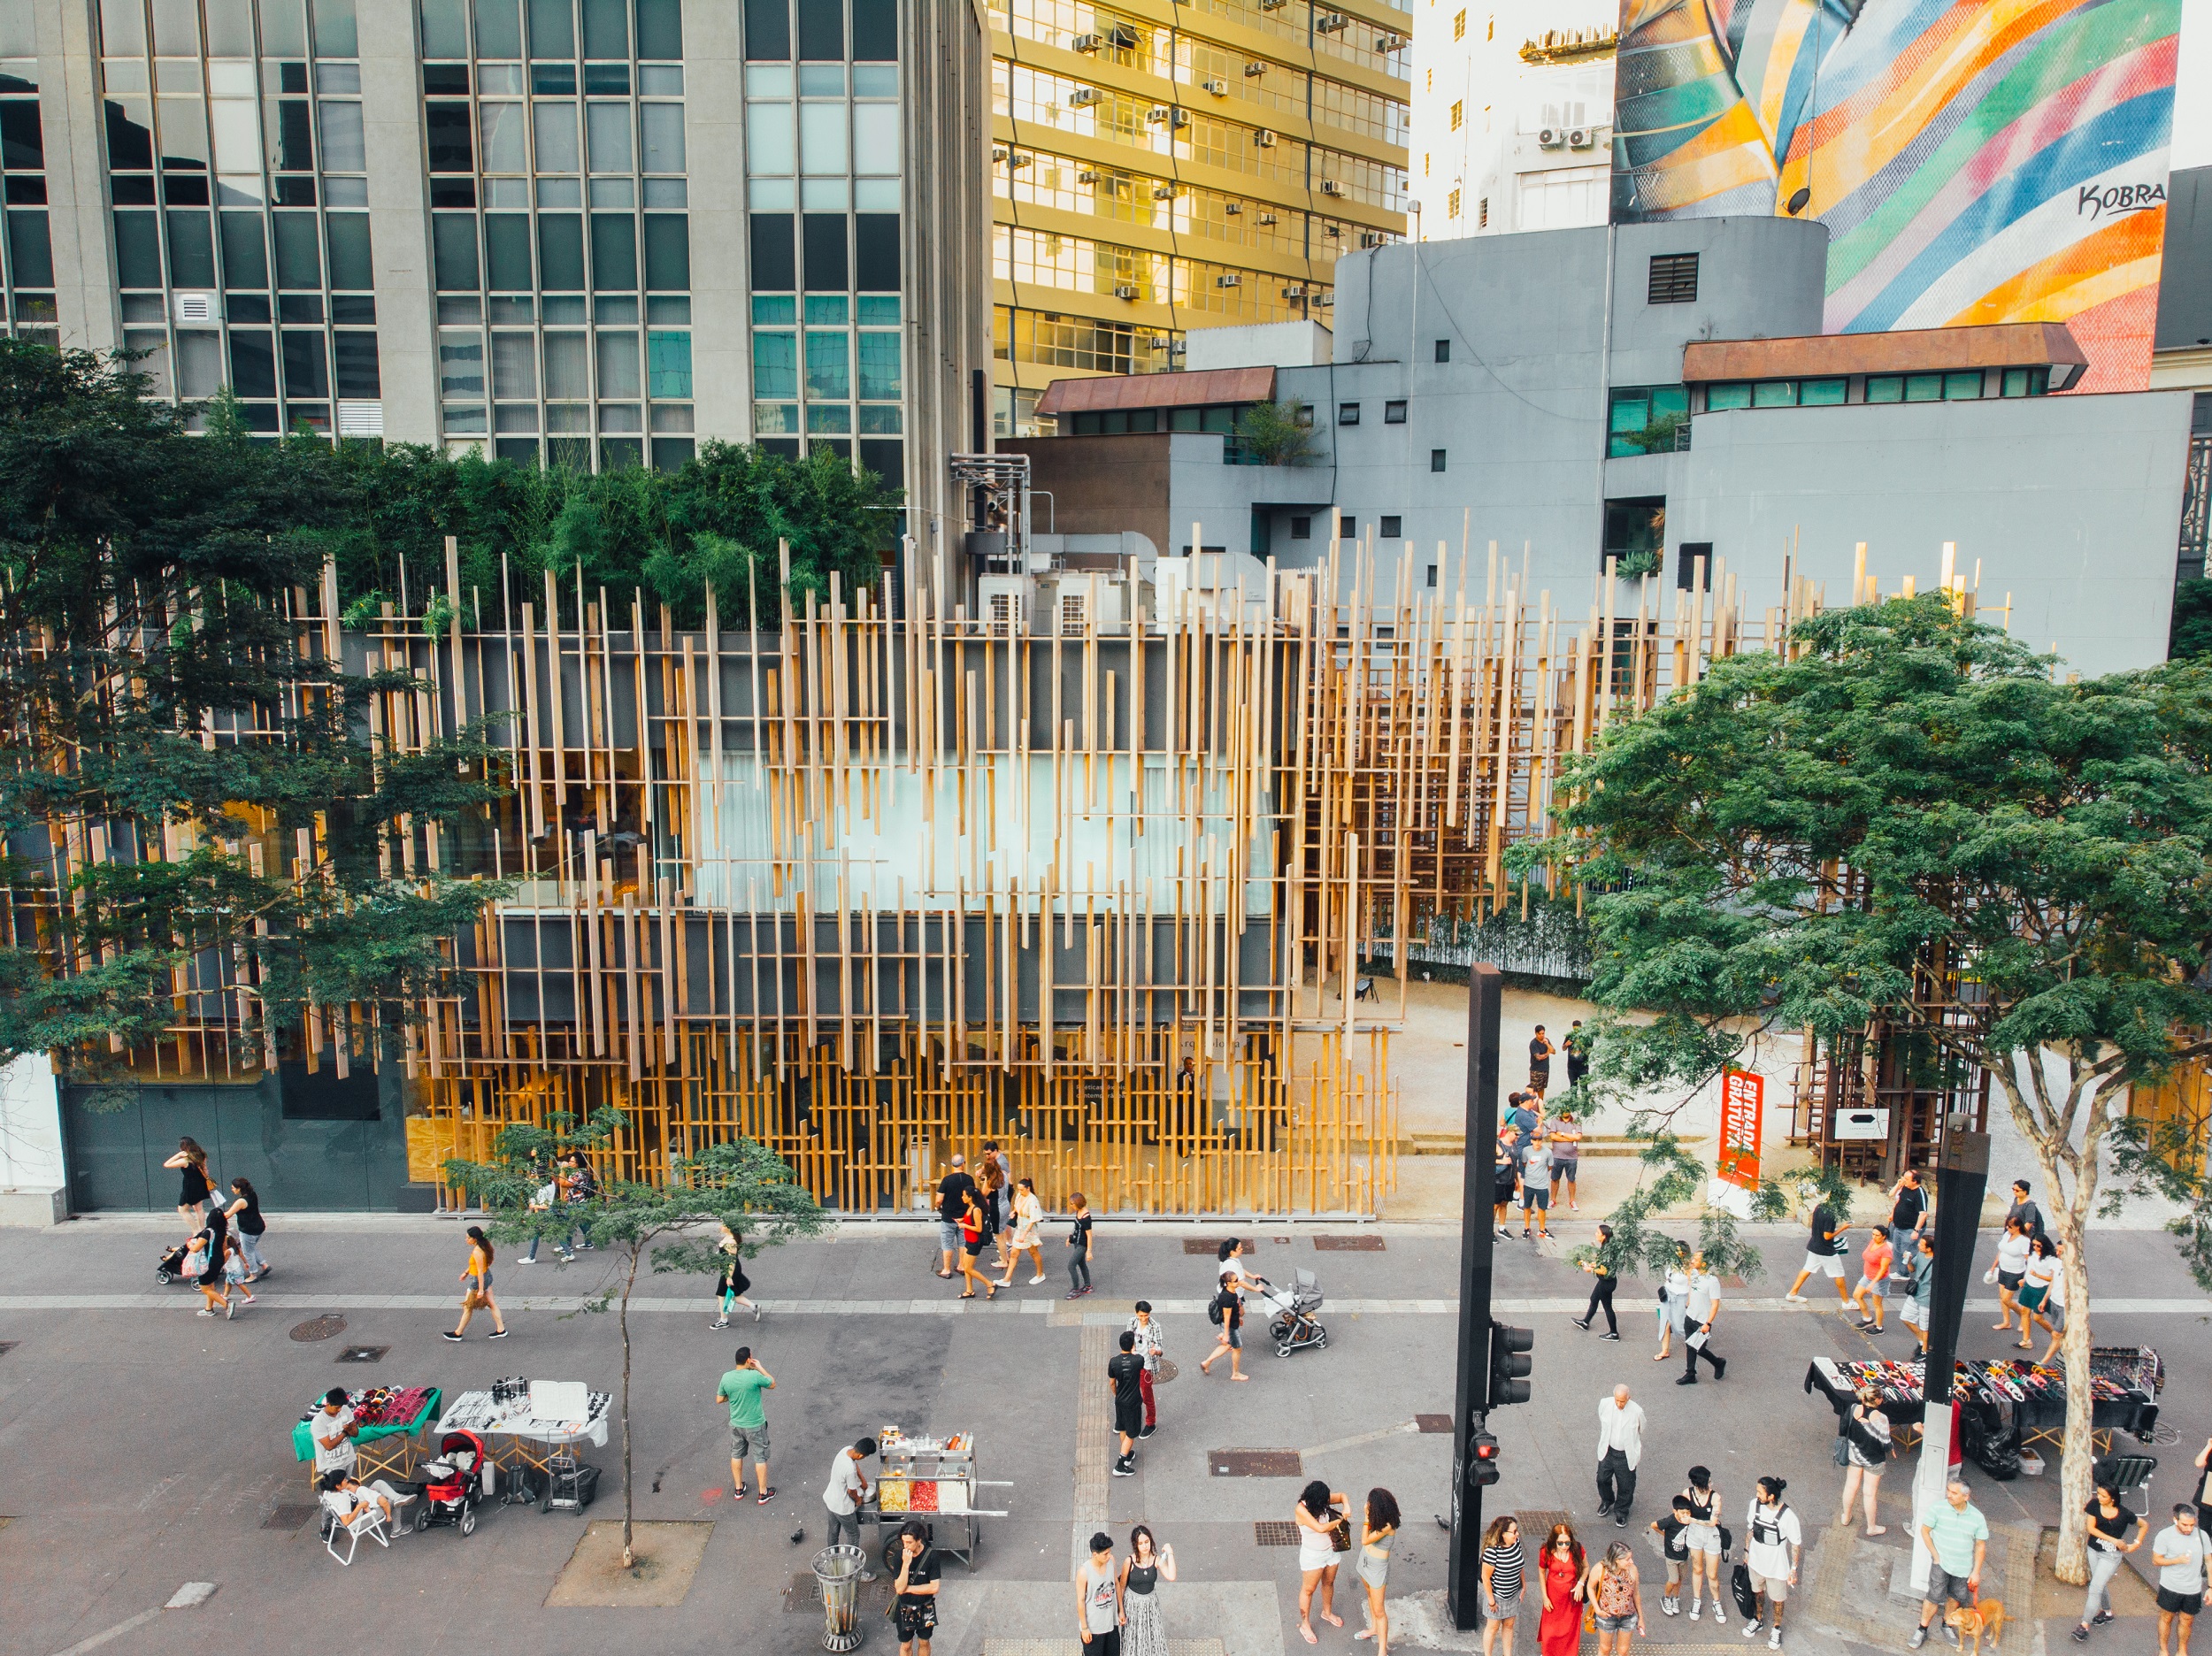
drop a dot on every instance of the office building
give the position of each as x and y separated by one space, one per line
1153 174
1679 404
1513 115
591 233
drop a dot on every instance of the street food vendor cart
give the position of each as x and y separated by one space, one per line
933 1480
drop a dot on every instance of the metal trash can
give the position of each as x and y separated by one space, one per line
837 1571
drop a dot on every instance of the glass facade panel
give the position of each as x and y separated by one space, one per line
879 367
1824 393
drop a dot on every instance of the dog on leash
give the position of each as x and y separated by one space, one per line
1972 1621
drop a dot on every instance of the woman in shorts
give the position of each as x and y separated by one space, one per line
2035 1288
1701 1539
1874 1260
974 1233
1501 1567
2011 1265
1615 1594
1866 1438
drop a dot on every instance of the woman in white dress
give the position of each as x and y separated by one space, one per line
1029 1217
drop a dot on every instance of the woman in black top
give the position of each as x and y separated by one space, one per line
1602 1293
214 1240
244 1213
2110 1524
1909 1205
1144 1629
192 1195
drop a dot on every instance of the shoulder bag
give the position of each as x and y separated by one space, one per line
1340 1534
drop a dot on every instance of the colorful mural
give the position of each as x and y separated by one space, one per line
1974 160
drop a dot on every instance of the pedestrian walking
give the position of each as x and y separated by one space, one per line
1907 1218
741 1389
914 1594
209 1250
1577 1045
1029 1218
1504 1180
1124 1372
1144 1626
1151 1346
1501 1566
1670 1529
1536 1185
975 1219
1378 1533
2055 1310
1701 1541
248 1227
2035 1288
1225 1312
2203 1499
1540 1054
1566 1156
2006 1270
1674 1302
193 1186
990 1188
846 1494
1921 1288
2024 1210
1614 1590
1078 1246
2178 1555
1824 1255
2114 1533
730 1287
1560 1569
1320 1515
1098 1599
476 1288
1001 1186
1620 1447
543 1199
1874 1263
579 1188
1957 1539
1599 1266
1703 1312
1773 1540
1230 1258
1867 1447
953 1192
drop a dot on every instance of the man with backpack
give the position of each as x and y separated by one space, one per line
1771 1545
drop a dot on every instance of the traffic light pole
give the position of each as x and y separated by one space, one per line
1486 997
1962 1179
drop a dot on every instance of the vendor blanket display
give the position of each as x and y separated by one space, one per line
511 1417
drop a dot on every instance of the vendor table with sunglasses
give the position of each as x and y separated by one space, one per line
515 1436
387 1421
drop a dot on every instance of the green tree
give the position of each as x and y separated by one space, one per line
1277 432
1797 844
2191 634
669 1227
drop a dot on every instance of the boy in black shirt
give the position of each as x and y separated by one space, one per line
1125 1369
915 1608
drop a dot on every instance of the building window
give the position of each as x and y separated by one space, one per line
1394 411
1720 398
1348 413
1436 460
1443 350
1459 113
1685 571
1482 214
1647 420
1348 527
1774 394
1431 574
1824 393
1302 528
1451 205
1459 25
1673 279
1636 534
1391 528
1962 387
2021 382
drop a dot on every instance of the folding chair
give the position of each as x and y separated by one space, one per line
367 1519
2129 1474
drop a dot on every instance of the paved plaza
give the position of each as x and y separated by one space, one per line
142 1448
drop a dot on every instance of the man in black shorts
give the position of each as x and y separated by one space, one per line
914 1611
1125 1369
1539 1052
2178 1553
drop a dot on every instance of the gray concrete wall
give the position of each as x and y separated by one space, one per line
399 224
2071 503
714 150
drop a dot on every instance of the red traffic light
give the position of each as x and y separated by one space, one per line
1482 1468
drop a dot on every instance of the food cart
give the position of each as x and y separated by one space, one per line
387 1421
933 1480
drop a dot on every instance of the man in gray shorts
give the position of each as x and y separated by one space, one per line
742 1389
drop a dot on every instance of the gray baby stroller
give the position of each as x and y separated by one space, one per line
1290 1322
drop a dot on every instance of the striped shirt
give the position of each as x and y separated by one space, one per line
1505 1571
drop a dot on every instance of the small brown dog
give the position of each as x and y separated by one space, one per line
1971 1622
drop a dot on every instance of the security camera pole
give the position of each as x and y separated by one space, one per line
1962 1176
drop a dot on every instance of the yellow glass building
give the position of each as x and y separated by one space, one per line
1163 164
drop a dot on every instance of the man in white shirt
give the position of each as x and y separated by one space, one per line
1772 1538
1697 1335
848 1488
1620 1446
331 1426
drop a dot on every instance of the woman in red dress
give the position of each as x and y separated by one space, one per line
1561 1572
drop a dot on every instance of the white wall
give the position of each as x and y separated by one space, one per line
30 1126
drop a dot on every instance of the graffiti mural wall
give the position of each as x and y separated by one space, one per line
1974 160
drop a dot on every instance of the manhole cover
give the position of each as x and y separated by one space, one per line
1348 1244
1254 1463
320 1328
1275 1532
289 1517
1432 1423
363 1354
1210 1249
804 1595
1166 1372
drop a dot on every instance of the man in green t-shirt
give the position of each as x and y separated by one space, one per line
741 1389
1957 1536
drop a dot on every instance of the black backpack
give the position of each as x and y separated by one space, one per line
1213 1311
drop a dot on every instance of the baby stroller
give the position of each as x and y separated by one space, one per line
170 1266
456 1483
1291 1323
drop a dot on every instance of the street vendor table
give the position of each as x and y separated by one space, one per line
2123 1382
933 1480
389 1418
517 1434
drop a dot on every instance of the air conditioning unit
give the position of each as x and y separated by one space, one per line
1370 238
1326 301
1230 280
1273 5
1088 175
1549 138
998 155
1177 348
1124 291
1084 44
1232 208
1219 88
1019 160
1163 192
1331 23
1267 219
194 307
1083 96
1389 42
1254 70
1263 138
1158 113
1331 186
1297 290
1579 138
1179 118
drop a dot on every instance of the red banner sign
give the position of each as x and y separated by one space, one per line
1742 1105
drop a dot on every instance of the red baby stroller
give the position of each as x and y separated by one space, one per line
456 1483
